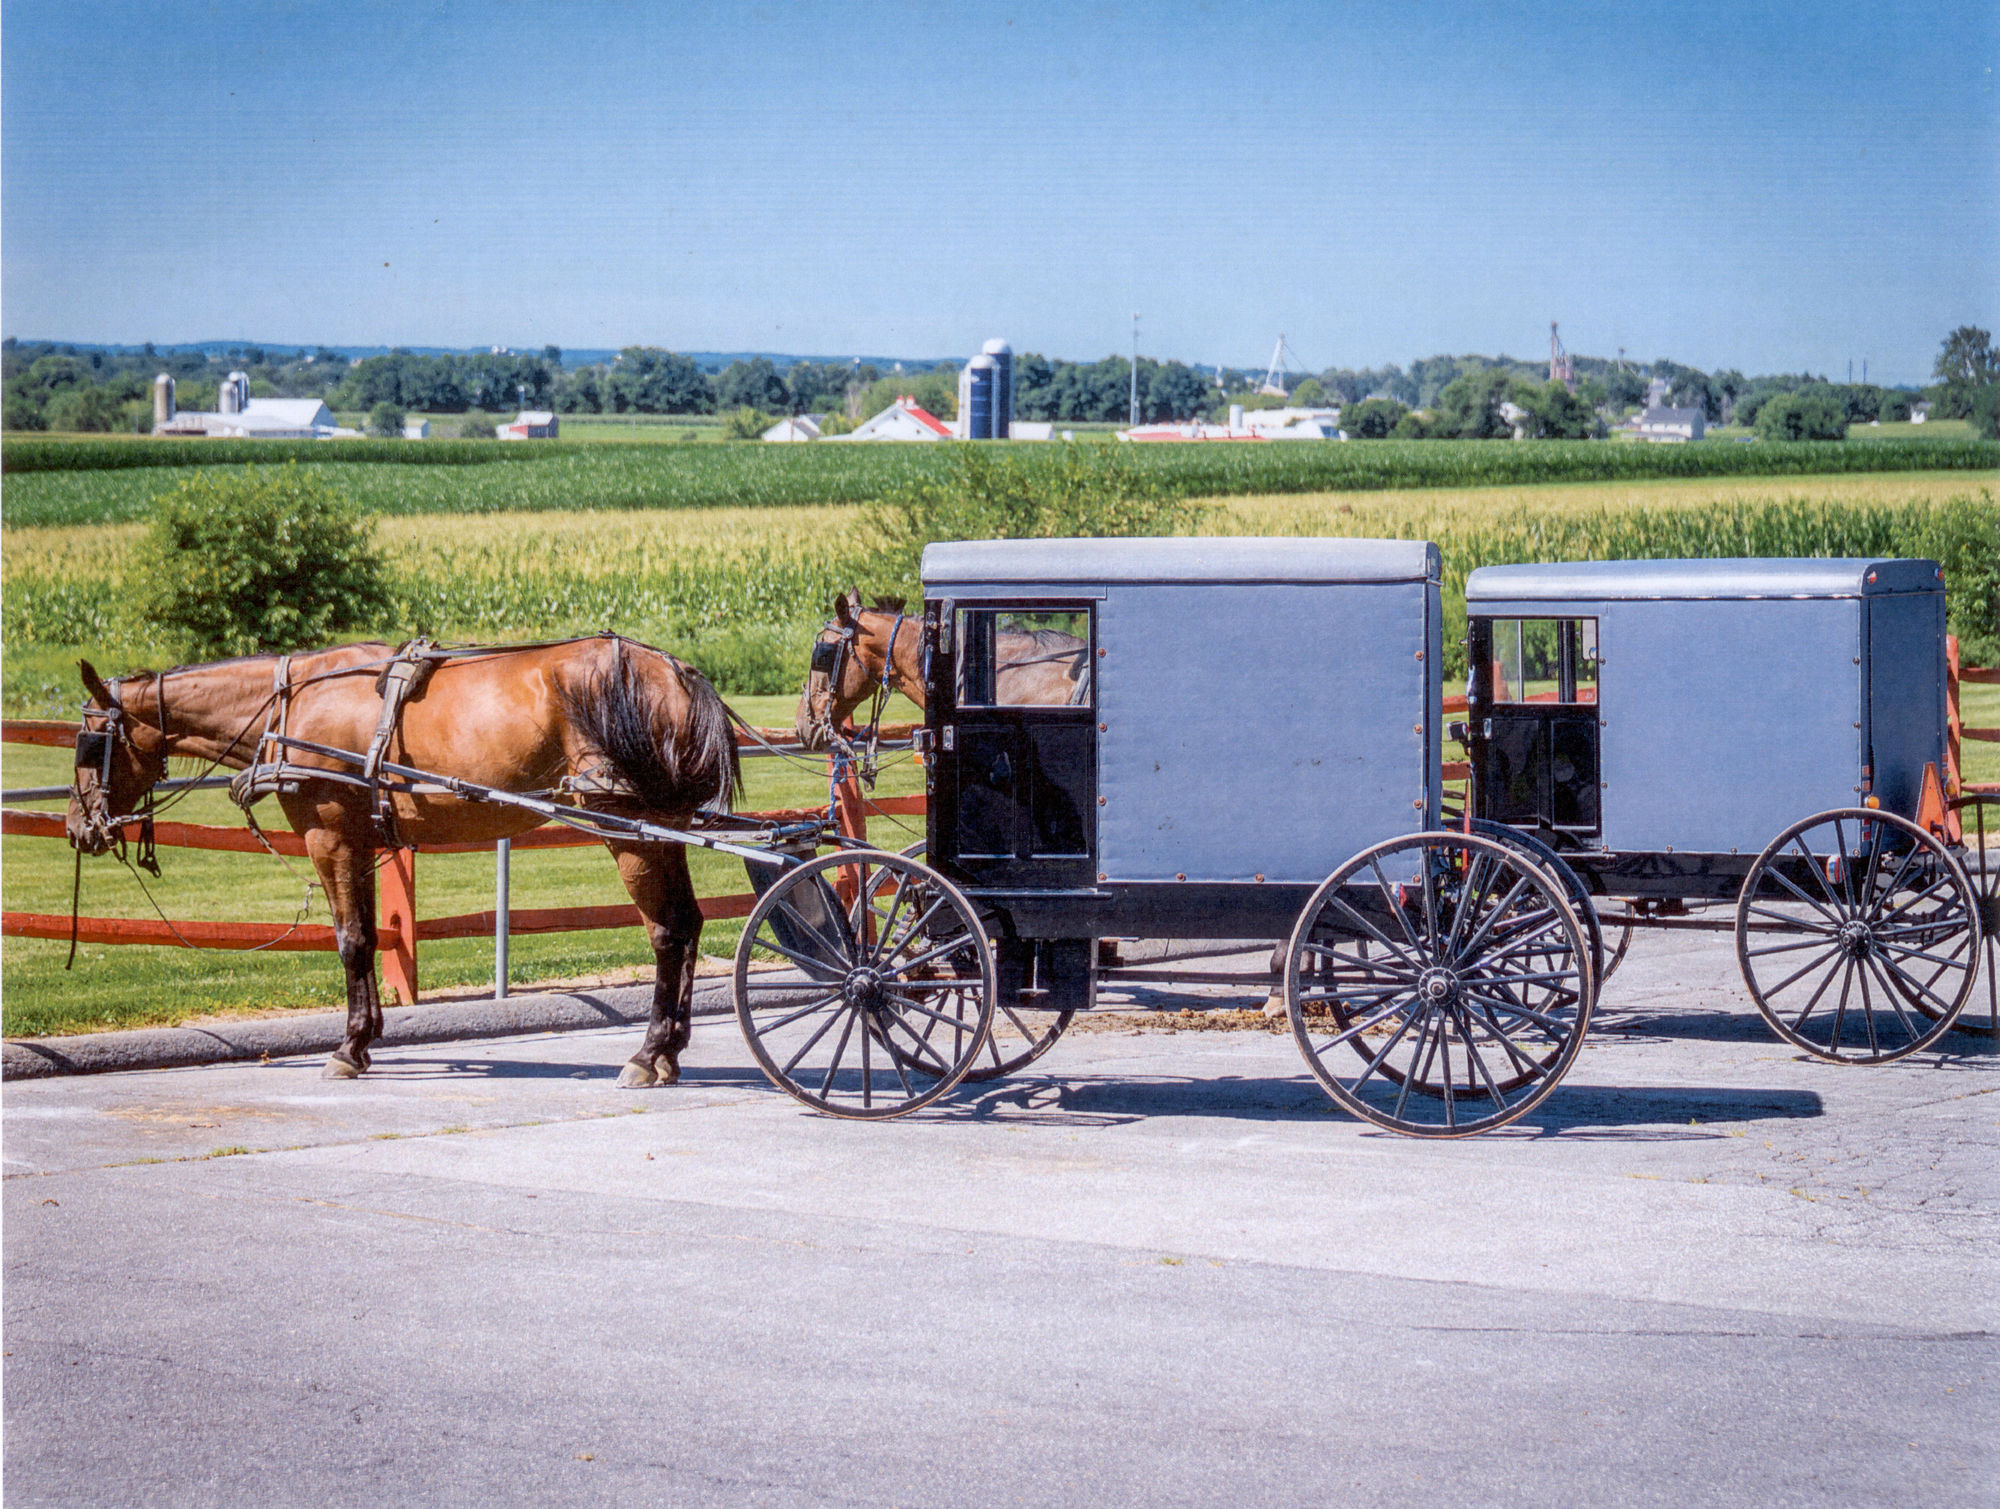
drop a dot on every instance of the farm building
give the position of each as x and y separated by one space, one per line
238 416
416 429
530 424
798 427
1669 426
905 419
1257 424
1920 413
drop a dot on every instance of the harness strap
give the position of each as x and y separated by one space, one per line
406 673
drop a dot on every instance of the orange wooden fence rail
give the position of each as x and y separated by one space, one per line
400 930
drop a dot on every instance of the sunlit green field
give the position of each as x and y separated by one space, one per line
138 985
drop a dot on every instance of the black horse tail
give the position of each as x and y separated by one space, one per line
671 767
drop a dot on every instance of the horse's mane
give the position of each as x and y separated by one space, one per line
673 769
1044 639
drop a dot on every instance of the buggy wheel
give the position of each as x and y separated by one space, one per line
1021 1034
1981 1013
1440 984
871 1008
1858 936
1617 956
1573 888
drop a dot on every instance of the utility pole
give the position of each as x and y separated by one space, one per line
1135 369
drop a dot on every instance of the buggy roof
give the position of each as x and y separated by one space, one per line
1609 581
1233 559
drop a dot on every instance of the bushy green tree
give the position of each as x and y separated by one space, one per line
1805 415
477 428
1031 492
1372 418
1555 413
745 423
90 411
242 560
1469 406
1311 394
385 420
754 384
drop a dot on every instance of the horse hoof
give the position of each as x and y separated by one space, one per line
1274 1008
637 1077
339 1068
670 1074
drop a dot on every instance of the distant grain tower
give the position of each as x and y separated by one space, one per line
235 395
163 401
1561 368
978 396
1003 397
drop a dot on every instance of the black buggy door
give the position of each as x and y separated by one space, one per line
1013 740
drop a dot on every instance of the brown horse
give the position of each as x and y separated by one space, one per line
1034 668
628 728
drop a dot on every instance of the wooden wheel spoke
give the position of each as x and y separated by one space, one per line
1396 907
821 970
1830 951
1895 998
804 1011
813 1041
1798 924
837 949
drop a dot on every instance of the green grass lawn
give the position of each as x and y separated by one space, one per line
132 986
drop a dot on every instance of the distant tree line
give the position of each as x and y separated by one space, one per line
64 387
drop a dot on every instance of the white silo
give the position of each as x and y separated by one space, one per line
235 395
163 401
1003 399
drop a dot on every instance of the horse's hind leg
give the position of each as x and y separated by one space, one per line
657 877
346 866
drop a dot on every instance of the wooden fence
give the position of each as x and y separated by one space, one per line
400 930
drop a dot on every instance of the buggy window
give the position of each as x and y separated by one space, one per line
1024 657
1544 659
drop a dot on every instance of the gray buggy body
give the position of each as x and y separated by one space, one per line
1732 698
1257 711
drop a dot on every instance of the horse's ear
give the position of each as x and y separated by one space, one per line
94 683
845 606
890 604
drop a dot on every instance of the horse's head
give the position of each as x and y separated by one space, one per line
119 759
847 665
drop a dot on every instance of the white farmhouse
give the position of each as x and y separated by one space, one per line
905 419
1669 426
798 427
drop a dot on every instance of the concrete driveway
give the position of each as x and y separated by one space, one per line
1157 1268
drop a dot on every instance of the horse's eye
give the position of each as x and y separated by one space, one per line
826 655
91 748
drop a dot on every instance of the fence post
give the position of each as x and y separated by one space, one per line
1953 749
850 820
503 853
396 934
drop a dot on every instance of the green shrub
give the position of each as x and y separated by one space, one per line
255 560
745 423
385 421
1052 492
478 429
1803 416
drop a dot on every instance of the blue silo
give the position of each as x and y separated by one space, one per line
982 393
1003 403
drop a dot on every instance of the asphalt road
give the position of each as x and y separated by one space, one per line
1157 1269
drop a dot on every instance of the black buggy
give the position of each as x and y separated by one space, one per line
1246 742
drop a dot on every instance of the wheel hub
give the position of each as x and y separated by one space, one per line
1857 938
1437 987
863 989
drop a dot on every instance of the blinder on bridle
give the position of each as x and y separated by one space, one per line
94 747
826 654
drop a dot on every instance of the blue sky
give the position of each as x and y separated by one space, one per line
1768 186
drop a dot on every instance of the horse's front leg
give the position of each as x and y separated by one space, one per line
343 853
656 876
